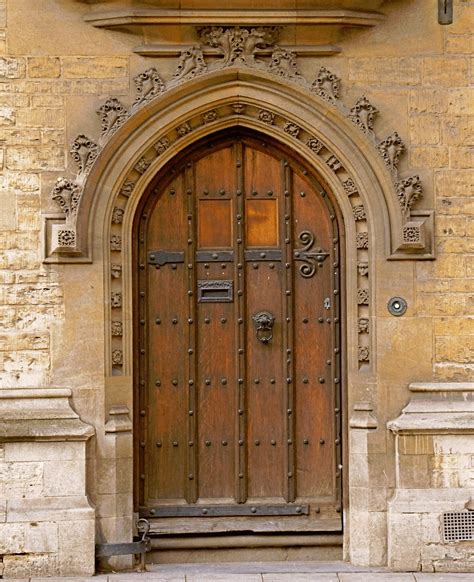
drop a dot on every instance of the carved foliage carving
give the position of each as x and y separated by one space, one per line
363 353
117 358
161 145
362 296
116 299
209 116
349 187
391 149
359 212
66 237
84 152
363 115
117 328
191 63
362 240
409 191
283 63
327 85
112 115
183 129
238 45
149 84
266 116
67 194
315 145
292 129
115 243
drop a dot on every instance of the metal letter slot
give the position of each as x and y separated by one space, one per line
264 321
220 291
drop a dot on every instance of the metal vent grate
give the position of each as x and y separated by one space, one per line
458 526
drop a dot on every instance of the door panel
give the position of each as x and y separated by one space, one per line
238 352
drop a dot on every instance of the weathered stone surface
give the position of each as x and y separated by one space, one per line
94 67
44 67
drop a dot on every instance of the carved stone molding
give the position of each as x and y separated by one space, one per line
84 152
327 85
391 149
363 115
112 116
148 85
67 194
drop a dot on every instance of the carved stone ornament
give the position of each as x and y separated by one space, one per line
391 149
142 165
283 63
359 212
127 188
183 129
362 240
117 328
238 45
116 299
117 358
239 108
409 191
161 145
362 296
191 63
315 145
67 194
334 163
363 114
292 129
115 270
327 85
84 152
115 243
148 84
349 187
363 353
363 268
266 116
209 116
66 238
117 215
363 325
112 115
413 235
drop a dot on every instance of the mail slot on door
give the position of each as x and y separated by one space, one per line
221 291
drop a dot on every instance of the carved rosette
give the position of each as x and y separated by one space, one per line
266 116
117 358
209 116
362 296
349 187
359 212
327 85
142 165
183 129
363 114
112 116
292 129
127 188
391 149
362 240
117 328
148 85
363 353
161 145
115 242
116 299
84 152
117 215
315 145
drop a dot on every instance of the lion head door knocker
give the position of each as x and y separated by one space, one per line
263 321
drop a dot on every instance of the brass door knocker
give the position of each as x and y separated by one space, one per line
263 321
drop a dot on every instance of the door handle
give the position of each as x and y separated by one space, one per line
263 321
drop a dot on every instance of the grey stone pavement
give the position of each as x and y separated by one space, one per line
264 572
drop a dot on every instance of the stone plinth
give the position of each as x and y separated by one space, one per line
48 525
435 475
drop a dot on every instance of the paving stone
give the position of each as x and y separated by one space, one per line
376 577
428 577
303 577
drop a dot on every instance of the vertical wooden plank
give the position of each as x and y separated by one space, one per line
165 442
314 325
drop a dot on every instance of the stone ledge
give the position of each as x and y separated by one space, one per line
437 407
40 414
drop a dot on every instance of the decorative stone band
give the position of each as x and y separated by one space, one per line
40 414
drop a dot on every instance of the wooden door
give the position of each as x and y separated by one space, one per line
238 356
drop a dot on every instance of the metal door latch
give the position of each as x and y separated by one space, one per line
122 549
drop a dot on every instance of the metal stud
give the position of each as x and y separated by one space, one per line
157 382
273 442
175 443
302 194
240 411
305 320
223 381
240 380
190 412
208 443
191 382
223 320
322 380
206 265
142 413
240 351
207 320
254 192
257 443
321 319
255 265
207 382
305 441
190 321
270 193
191 443
224 443
190 351
239 192
174 382
174 321
272 265
272 380
321 441
256 381
159 444
142 322
190 476
241 443
289 441
305 380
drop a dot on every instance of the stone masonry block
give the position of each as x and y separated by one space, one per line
8 213
424 129
428 101
461 157
415 444
21 479
7 116
24 341
445 71
40 117
29 159
12 538
451 226
385 71
57 477
458 130
454 183
44 67
429 157
41 538
94 67
77 548
12 68
461 101
454 349
454 326
29 565
47 101
404 541
47 451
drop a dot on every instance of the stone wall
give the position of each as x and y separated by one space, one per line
55 72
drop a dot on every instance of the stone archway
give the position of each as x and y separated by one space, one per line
107 195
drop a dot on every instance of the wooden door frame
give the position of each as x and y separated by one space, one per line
318 134
154 186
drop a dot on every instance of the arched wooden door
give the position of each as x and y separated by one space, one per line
239 358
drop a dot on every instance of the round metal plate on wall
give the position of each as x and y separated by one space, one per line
397 306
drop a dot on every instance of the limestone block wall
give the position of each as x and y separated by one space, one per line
55 72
